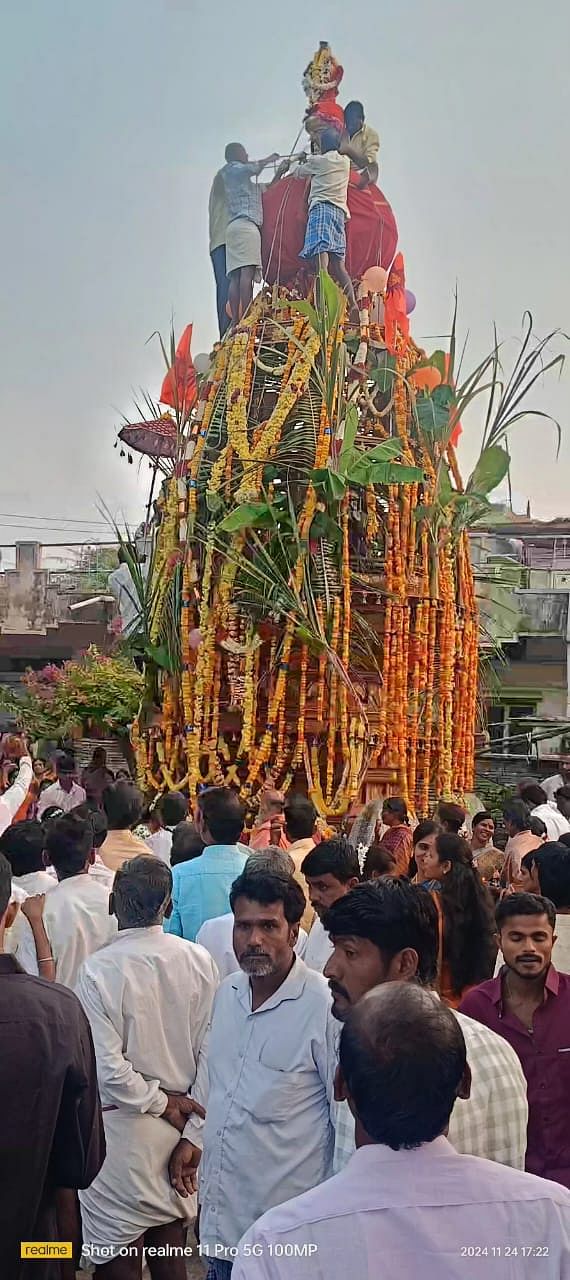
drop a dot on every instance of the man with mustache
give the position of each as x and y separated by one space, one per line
272 1056
387 931
528 1003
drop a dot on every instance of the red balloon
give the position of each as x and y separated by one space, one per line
372 234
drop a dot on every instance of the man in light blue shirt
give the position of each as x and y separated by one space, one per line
272 1056
201 888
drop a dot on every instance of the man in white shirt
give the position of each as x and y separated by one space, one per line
271 1061
325 237
217 935
555 781
23 845
387 930
331 869
407 1204
148 997
170 809
535 797
65 794
76 913
300 822
14 796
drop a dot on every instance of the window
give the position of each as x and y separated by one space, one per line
508 731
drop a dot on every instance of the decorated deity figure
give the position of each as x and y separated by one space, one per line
321 81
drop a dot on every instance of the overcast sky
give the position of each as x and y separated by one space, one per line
115 116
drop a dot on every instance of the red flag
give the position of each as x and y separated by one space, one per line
395 304
179 388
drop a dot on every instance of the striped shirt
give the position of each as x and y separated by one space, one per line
491 1122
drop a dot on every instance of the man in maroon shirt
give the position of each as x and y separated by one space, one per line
529 1005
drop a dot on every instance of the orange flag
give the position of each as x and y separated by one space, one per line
179 388
458 429
395 304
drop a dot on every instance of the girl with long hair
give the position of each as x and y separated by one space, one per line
467 947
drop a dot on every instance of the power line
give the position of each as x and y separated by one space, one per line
53 520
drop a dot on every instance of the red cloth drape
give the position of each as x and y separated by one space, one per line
372 234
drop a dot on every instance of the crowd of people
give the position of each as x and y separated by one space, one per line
297 1046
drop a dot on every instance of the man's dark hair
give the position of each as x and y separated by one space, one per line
354 108
564 793
23 845
533 794
90 809
427 827
379 860
451 816
48 815
141 890
524 904
395 804
392 914
186 843
330 140
173 808
68 843
223 814
234 151
65 765
267 887
484 816
403 1056
123 804
552 861
300 816
538 827
334 858
518 813
5 884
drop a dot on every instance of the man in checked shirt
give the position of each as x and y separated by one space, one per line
385 931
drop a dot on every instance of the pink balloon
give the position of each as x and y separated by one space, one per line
410 302
375 279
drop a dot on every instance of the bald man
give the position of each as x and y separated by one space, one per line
406 1195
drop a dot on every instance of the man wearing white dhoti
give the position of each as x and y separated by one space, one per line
148 997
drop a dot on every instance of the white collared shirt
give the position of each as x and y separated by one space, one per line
319 947
35 882
492 1122
268 1132
66 800
77 922
555 822
148 997
217 936
427 1213
160 843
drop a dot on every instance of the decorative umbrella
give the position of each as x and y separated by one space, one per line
156 438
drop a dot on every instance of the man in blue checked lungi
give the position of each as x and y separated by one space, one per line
325 237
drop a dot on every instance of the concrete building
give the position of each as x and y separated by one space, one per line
523 583
49 615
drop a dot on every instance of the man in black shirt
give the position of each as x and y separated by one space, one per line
51 1130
